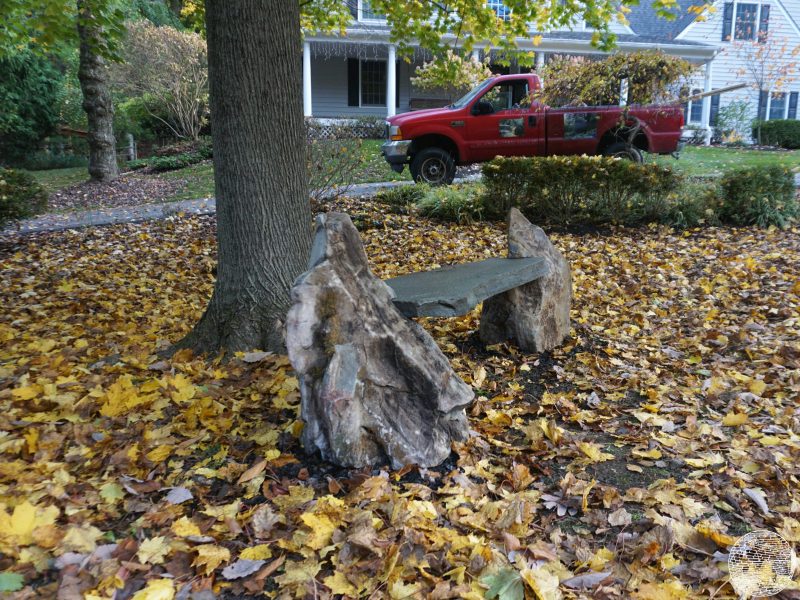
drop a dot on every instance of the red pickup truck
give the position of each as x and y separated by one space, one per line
497 118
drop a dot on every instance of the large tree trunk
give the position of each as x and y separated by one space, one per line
263 211
93 76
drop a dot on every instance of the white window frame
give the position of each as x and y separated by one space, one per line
692 103
361 62
733 23
508 11
768 108
361 17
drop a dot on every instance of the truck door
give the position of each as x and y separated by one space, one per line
573 130
509 128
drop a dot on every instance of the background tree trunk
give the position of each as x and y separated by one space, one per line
263 211
93 76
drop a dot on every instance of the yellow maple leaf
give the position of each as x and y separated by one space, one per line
157 589
339 584
82 538
259 552
593 452
153 550
184 527
543 583
27 392
209 557
159 453
667 590
734 419
322 529
654 453
18 527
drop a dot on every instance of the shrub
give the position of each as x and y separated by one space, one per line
762 196
20 196
733 122
402 196
784 133
562 190
460 203
201 146
652 77
171 162
332 165
43 161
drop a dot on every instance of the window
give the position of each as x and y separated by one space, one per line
367 14
746 17
696 110
745 21
509 94
777 106
500 9
373 83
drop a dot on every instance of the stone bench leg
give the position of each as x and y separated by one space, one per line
534 315
374 386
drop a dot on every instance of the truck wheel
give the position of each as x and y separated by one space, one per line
433 166
624 150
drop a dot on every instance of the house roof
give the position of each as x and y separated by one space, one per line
645 22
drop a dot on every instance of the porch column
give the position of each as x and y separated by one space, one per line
539 61
307 79
476 54
706 115
391 81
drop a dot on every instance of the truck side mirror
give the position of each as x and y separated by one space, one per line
481 107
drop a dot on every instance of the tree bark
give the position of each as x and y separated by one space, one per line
263 211
93 77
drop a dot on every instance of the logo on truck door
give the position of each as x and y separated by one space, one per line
511 128
580 125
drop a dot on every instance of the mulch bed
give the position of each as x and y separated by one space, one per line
128 190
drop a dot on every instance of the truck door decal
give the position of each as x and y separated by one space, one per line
580 125
511 127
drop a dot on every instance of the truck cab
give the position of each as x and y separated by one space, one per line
501 117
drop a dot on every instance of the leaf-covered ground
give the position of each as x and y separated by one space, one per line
622 465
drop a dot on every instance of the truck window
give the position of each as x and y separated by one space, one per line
507 95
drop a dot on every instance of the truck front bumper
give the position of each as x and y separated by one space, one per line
396 154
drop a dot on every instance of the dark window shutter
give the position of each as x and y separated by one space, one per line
353 6
712 119
727 22
793 105
762 104
352 82
763 23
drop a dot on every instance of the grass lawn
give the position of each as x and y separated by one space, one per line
53 180
713 161
199 179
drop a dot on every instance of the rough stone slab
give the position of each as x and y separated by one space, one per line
535 315
374 386
453 291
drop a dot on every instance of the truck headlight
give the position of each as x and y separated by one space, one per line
394 133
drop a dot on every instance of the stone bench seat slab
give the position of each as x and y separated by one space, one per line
455 290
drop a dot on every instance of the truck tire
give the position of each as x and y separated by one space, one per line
433 166
624 150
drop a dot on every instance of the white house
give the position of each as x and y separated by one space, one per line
359 74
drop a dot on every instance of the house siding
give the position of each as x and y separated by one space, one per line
726 66
329 90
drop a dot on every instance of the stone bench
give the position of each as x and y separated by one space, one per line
456 290
375 388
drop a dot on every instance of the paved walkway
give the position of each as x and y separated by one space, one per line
151 212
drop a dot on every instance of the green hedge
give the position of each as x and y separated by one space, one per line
173 161
20 196
760 196
564 190
785 134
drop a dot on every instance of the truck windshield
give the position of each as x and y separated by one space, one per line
467 98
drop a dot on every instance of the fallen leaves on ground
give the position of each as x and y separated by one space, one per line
621 465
